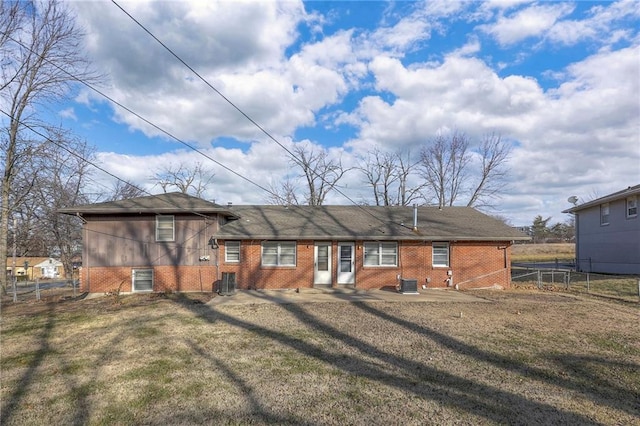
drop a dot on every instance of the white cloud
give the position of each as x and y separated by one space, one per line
68 113
581 135
529 22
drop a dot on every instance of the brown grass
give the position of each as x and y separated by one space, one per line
520 357
542 252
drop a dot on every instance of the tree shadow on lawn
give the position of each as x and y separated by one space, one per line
413 377
582 378
11 403
78 393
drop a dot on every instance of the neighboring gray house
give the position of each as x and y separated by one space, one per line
608 233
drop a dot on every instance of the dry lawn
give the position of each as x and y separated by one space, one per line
542 252
517 357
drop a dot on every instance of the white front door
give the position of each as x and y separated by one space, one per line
322 263
346 263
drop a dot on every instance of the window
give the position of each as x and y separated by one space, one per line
604 214
142 279
380 254
279 253
440 254
232 251
164 228
632 206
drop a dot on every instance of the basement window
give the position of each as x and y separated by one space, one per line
142 279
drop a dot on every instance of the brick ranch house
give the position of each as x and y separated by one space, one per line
181 243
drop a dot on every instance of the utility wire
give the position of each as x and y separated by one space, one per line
155 126
237 108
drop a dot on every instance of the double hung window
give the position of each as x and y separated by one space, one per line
165 228
440 254
604 214
381 254
279 253
232 251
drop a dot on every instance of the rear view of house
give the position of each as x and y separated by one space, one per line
181 243
608 233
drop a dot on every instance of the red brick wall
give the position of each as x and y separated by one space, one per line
178 278
473 265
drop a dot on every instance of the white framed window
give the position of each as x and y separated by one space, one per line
279 253
165 228
440 254
142 279
632 206
381 254
604 214
232 251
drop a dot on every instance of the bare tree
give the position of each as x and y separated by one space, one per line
185 178
321 173
284 194
452 171
389 175
122 190
444 167
41 59
494 154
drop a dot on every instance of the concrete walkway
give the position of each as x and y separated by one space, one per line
243 297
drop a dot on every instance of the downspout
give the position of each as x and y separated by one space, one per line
85 254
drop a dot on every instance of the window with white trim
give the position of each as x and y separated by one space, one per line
440 254
381 254
632 206
604 214
279 253
232 251
165 228
142 279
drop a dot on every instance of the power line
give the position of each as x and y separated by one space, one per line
155 126
237 108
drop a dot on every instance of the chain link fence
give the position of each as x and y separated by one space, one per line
624 287
29 291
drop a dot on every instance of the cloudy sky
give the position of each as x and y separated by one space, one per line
560 81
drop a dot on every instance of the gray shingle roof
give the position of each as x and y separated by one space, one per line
365 222
173 202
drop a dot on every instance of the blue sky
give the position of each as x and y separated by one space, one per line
559 80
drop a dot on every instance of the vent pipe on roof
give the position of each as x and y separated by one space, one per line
415 217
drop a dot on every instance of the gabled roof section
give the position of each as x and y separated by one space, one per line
365 222
619 195
173 202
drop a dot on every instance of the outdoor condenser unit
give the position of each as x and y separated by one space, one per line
408 286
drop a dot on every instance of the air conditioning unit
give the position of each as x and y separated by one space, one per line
408 286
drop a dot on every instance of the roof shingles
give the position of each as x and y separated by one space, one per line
364 222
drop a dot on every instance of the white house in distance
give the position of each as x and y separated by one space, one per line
608 233
49 268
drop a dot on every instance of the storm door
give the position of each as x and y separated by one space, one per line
346 263
322 263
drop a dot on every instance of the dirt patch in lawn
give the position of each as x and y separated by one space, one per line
526 357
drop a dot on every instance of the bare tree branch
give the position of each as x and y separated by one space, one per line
185 178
